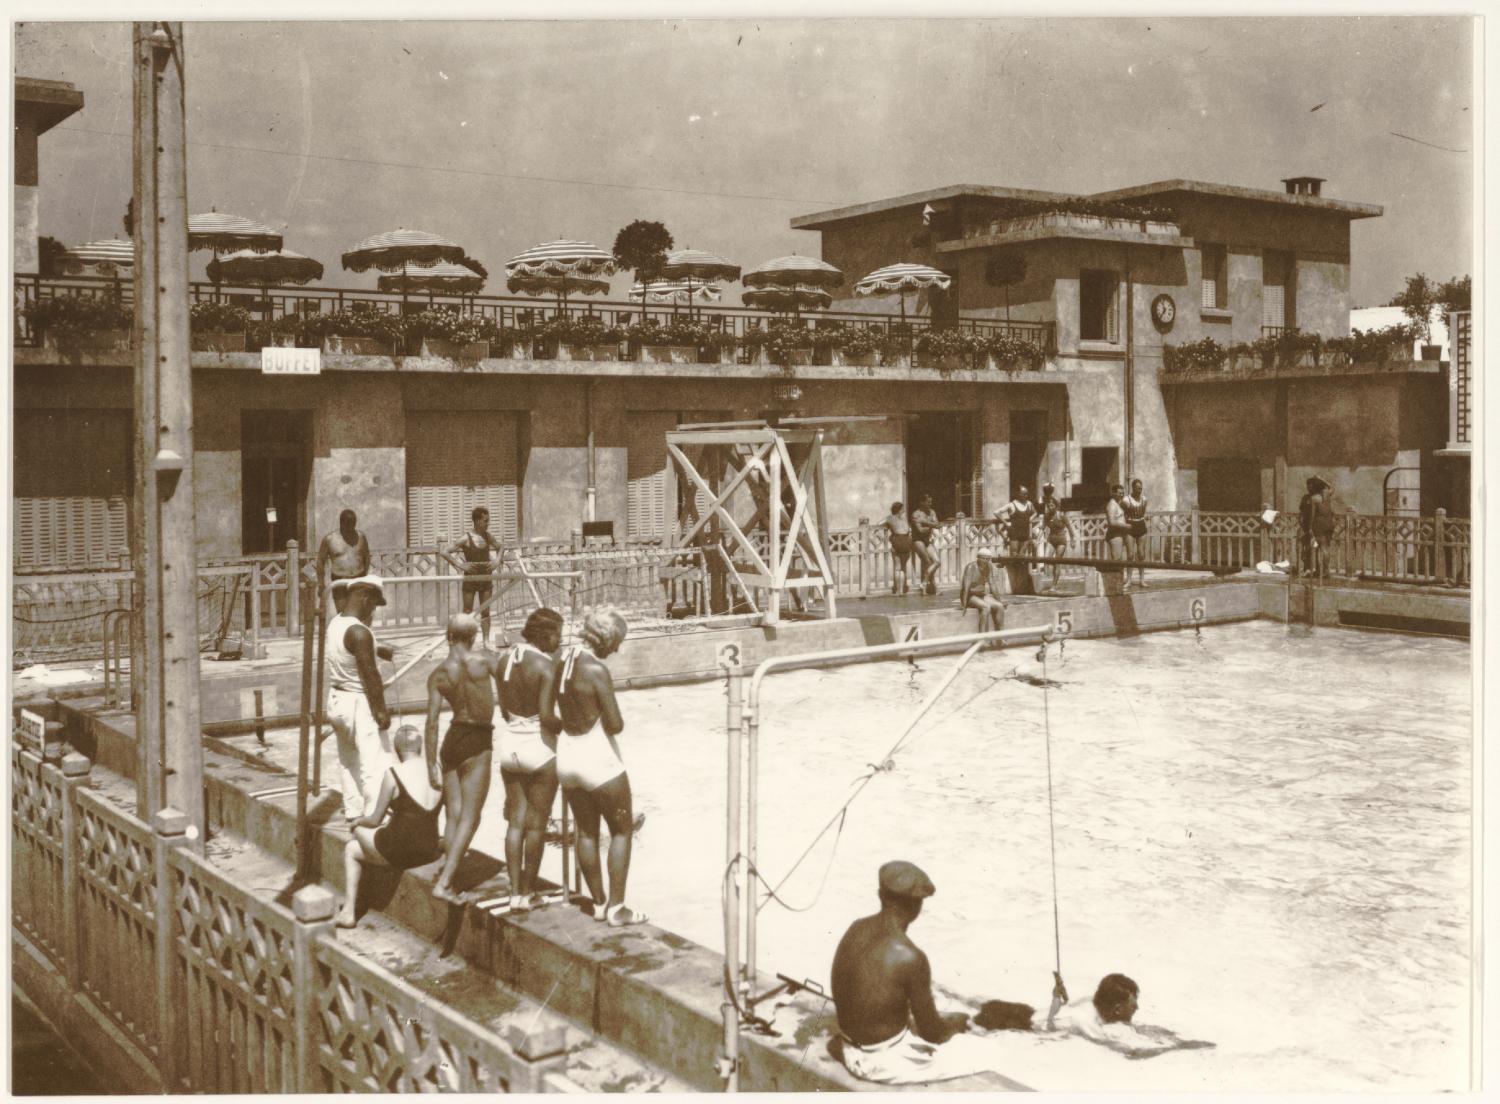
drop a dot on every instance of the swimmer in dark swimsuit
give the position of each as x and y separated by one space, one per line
578 698
407 840
479 585
1116 524
902 545
462 680
1135 518
528 752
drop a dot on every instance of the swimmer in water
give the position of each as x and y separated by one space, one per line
1105 1018
528 752
578 698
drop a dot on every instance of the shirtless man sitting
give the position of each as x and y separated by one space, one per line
528 752
882 989
578 698
463 681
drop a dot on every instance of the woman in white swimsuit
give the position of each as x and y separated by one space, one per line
579 700
528 759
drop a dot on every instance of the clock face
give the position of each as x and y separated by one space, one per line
1163 310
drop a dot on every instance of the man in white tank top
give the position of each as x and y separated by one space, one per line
356 697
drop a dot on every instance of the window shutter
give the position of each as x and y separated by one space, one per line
1112 313
1273 306
457 460
72 487
647 473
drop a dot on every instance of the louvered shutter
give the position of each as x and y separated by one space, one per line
72 488
1273 290
648 474
457 460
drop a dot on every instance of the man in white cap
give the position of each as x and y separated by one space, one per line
889 1025
980 588
356 697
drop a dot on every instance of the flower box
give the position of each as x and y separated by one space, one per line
566 351
728 354
88 341
859 360
346 345
444 349
668 354
517 348
1160 227
794 358
273 341
895 360
943 362
1010 364
211 341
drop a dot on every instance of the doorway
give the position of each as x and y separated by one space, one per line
942 460
1028 450
275 469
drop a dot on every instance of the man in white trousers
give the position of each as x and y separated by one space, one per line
356 696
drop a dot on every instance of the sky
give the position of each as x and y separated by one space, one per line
501 135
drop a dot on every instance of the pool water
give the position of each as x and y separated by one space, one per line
1268 829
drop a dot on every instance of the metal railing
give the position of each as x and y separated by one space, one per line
521 316
214 988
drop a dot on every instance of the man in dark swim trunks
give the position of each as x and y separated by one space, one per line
463 681
342 555
924 522
578 702
882 990
479 585
898 529
528 752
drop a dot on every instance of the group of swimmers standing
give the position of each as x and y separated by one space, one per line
546 711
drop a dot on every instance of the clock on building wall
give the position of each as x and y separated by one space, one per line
1163 312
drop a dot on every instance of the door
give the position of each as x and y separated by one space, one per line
457 460
942 461
275 468
1028 450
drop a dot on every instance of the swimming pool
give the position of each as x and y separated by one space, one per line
1268 830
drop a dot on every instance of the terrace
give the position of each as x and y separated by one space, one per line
92 314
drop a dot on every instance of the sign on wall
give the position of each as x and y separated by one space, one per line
291 362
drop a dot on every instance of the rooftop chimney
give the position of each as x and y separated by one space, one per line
1303 185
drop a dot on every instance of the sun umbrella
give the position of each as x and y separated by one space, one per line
698 266
561 267
801 277
675 291
106 257
400 249
794 297
230 233
440 277
902 278
246 266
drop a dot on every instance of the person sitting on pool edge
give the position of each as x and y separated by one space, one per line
1105 1018
889 1029
980 588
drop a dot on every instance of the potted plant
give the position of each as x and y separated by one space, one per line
356 333
81 323
946 349
442 332
754 341
790 344
581 337
721 345
896 345
859 346
218 327
1416 301
1196 357
1004 350
275 333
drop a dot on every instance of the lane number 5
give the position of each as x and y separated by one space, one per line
1064 622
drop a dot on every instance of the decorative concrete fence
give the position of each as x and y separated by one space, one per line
217 990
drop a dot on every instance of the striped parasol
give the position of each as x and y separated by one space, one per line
440 277
223 233
563 257
563 267
793 297
794 270
681 292
106 257
394 251
281 266
903 277
698 264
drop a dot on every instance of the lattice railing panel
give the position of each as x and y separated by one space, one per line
36 852
375 1033
234 982
117 915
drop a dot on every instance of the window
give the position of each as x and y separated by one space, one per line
1215 293
1098 305
1277 288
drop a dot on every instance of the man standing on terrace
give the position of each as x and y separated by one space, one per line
344 554
924 522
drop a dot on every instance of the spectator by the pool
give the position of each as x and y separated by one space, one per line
924 523
980 589
898 530
1135 519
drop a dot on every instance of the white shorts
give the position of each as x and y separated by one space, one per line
910 1060
365 752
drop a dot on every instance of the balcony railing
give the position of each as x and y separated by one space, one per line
515 313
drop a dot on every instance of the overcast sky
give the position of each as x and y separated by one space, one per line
503 135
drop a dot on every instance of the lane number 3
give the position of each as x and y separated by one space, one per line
729 656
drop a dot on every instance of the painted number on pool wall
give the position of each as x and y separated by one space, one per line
1197 610
1064 622
729 655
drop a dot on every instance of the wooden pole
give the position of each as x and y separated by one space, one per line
310 620
166 563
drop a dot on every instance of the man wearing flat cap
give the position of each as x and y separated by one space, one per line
889 1025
